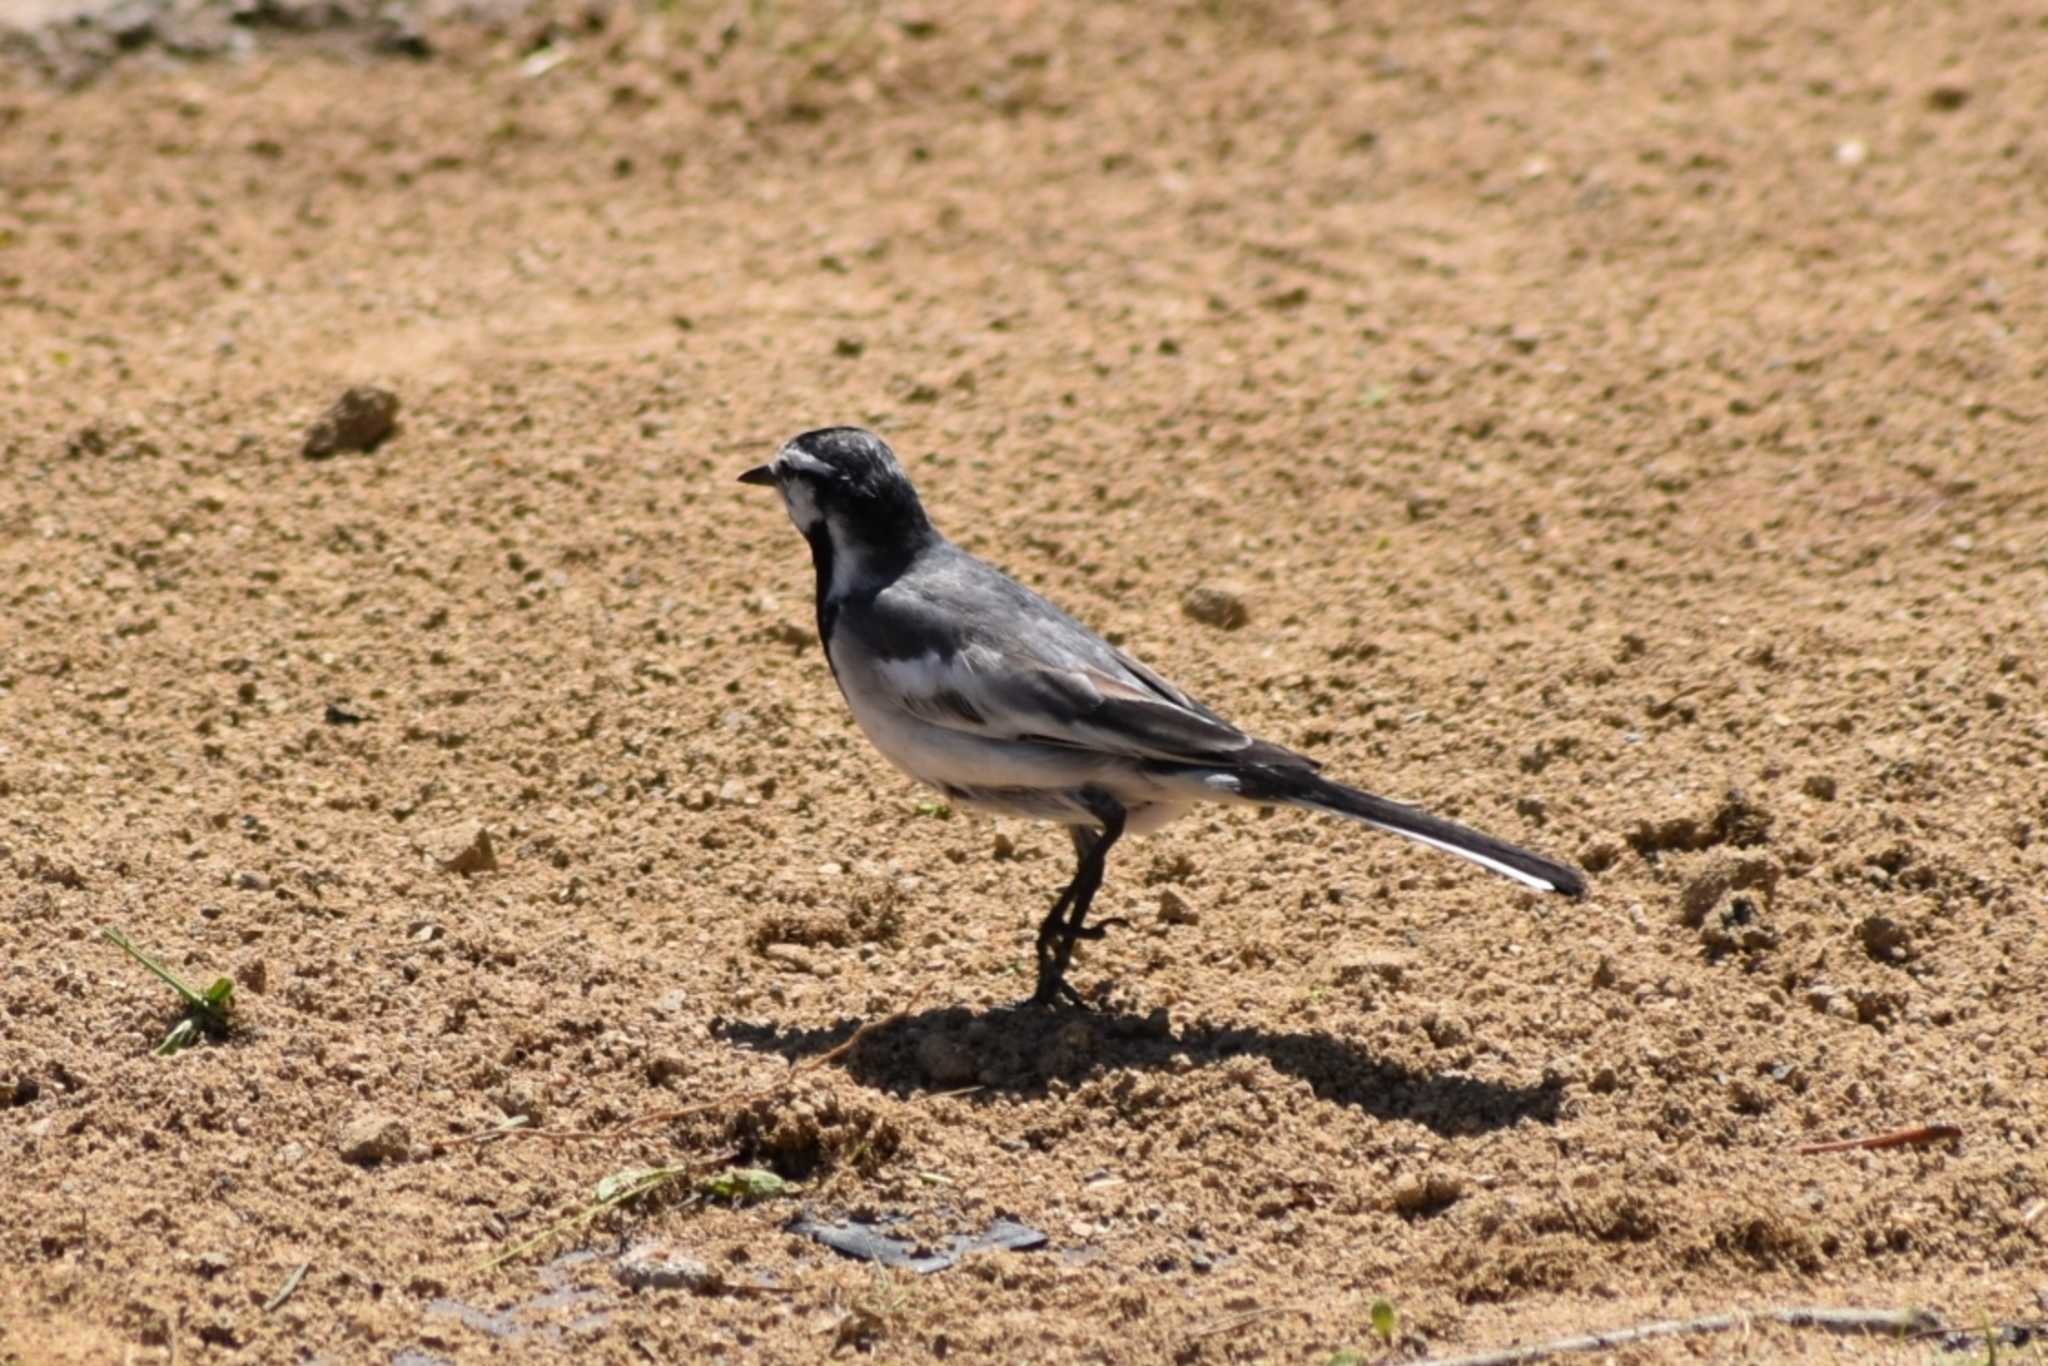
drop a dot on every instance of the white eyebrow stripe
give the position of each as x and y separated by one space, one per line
795 458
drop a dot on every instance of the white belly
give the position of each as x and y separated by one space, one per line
1000 775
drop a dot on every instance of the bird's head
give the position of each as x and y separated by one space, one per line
846 493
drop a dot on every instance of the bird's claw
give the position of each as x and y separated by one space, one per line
1095 931
1053 994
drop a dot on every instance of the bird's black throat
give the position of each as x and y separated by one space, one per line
882 558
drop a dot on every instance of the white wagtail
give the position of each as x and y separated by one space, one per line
972 683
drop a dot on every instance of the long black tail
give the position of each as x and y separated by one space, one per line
1299 787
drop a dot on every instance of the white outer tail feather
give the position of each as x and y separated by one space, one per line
1492 865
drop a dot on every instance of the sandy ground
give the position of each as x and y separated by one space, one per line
1624 430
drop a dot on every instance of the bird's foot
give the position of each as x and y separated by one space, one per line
1056 992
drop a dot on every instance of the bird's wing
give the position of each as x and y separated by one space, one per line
1088 709
1024 670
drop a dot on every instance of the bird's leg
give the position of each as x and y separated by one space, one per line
1056 936
1052 928
1089 844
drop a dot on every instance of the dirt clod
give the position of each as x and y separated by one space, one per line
1217 605
658 1265
1722 876
1425 1196
463 847
791 958
1885 939
360 420
373 1137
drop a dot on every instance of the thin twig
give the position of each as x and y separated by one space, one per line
853 1040
1897 1138
1240 1320
597 1209
1871 1321
284 1292
1985 1336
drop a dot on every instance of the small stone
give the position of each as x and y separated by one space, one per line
19 1090
1445 1031
517 1100
211 1264
1851 152
1215 605
1716 880
464 847
374 1137
1005 848
1886 939
359 421
791 956
250 881
402 36
1745 1098
1427 1194
1174 910
664 1066
1390 968
662 1266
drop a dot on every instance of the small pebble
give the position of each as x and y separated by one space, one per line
359 421
1215 605
374 1137
1174 910
791 956
661 1266
464 847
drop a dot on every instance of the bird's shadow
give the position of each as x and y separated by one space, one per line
1018 1050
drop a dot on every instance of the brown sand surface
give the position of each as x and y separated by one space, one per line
1625 428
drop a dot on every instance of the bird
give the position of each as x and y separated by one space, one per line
973 684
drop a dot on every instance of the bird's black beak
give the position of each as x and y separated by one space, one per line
760 474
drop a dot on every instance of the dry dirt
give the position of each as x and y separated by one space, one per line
1622 427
